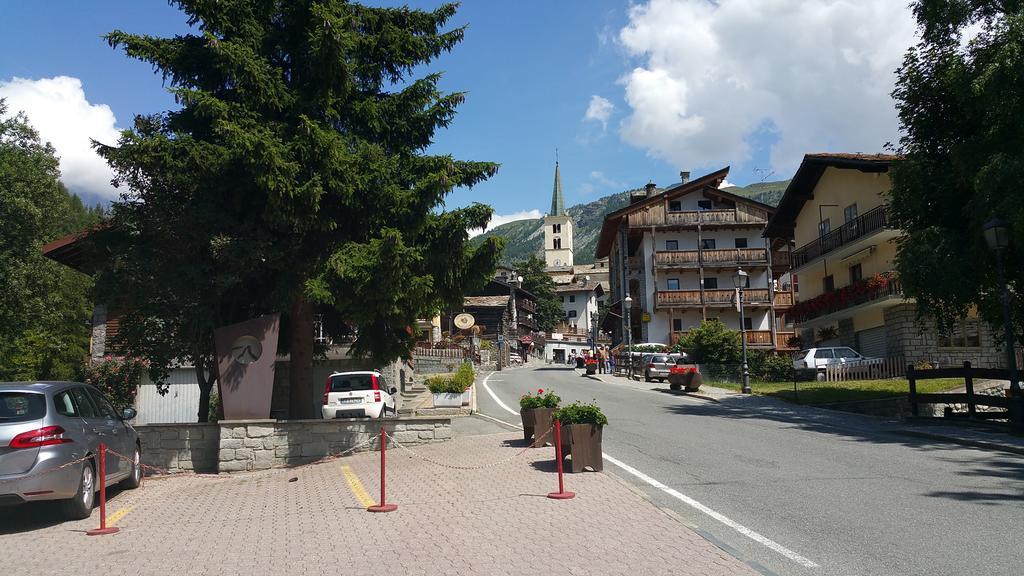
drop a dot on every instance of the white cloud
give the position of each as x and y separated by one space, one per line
726 184
499 219
58 110
600 178
818 73
599 110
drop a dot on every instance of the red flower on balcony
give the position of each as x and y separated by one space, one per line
863 291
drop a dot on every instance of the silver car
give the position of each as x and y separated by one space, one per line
656 366
46 425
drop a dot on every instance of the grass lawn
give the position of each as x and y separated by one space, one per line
826 392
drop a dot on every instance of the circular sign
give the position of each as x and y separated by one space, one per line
464 321
246 350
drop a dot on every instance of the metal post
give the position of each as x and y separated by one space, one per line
383 507
1016 406
743 342
561 494
103 529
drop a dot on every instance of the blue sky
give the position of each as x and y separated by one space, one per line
670 84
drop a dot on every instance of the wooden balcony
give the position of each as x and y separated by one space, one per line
782 341
783 300
755 338
782 260
692 298
726 257
658 216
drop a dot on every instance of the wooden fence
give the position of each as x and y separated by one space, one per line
866 370
968 397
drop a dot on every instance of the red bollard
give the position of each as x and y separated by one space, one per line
382 507
561 494
103 529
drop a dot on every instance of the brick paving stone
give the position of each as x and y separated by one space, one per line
496 520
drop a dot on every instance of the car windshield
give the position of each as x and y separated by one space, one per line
846 353
21 407
351 382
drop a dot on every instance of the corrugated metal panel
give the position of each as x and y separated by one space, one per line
871 343
180 404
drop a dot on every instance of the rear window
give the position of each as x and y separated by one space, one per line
660 359
823 353
351 382
21 407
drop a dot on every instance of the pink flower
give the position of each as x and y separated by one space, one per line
540 390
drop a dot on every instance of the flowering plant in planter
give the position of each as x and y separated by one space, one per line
117 377
580 413
541 399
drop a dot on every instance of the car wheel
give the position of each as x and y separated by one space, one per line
135 478
79 507
820 376
647 377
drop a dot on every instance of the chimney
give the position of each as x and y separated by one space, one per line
650 188
684 176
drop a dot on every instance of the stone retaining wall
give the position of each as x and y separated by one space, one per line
235 446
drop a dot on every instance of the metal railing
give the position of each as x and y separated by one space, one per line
863 225
846 297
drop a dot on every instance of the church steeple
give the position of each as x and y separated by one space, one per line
557 202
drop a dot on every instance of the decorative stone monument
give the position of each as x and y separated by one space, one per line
246 353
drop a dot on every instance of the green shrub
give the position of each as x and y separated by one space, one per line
445 384
486 345
540 400
117 377
712 343
464 375
579 413
775 368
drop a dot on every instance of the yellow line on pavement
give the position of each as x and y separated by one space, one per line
113 518
357 487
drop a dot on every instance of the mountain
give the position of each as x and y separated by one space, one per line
525 237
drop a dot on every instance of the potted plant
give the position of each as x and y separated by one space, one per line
581 435
591 365
466 376
447 391
536 411
685 376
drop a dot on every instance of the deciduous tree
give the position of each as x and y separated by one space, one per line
959 100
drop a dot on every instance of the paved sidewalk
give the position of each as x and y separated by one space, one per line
493 521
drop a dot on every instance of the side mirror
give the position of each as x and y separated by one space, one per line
129 414
393 391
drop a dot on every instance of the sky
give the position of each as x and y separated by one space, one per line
627 92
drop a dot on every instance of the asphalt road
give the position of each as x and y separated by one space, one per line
834 490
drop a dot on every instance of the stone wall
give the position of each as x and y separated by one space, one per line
908 338
235 446
180 447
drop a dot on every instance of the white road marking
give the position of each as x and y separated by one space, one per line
756 537
496 399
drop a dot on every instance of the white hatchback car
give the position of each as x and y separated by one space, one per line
819 358
358 395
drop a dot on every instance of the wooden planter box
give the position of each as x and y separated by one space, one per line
582 443
691 381
537 421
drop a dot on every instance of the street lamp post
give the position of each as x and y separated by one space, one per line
628 303
740 280
997 236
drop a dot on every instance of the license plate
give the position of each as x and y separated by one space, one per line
349 401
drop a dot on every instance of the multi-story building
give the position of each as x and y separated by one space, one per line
834 216
675 252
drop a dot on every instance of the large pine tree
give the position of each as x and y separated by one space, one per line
293 175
